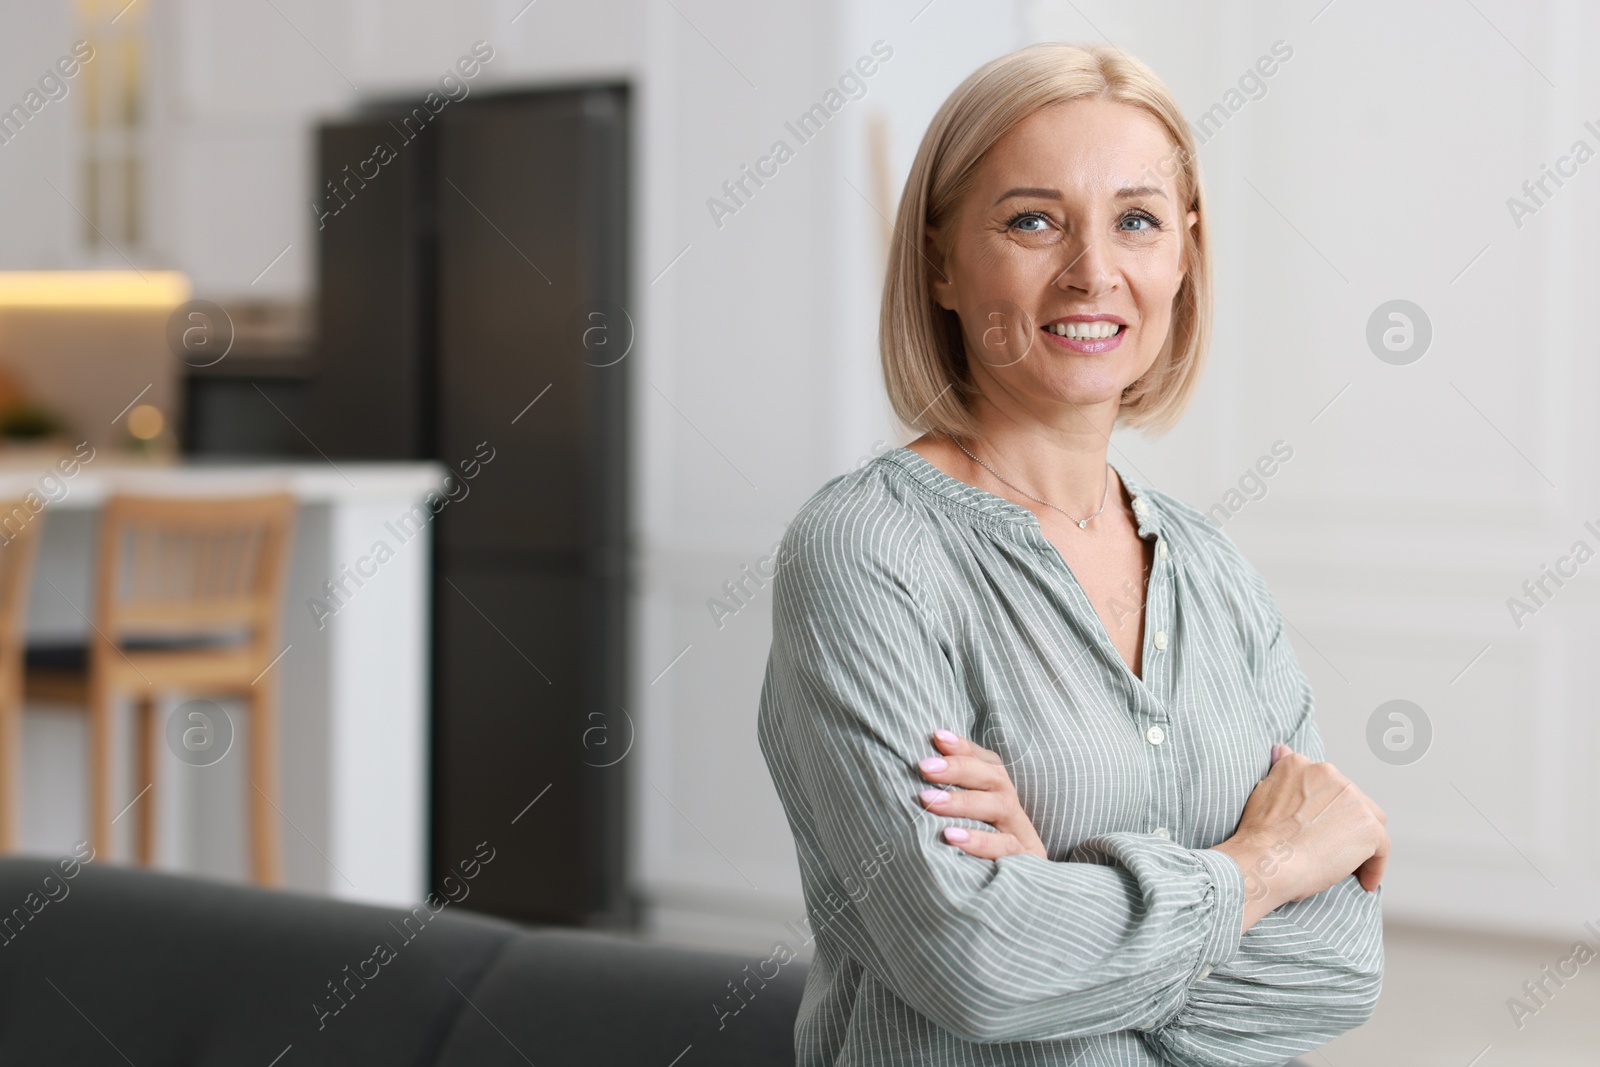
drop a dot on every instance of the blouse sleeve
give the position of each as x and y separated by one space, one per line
1022 948
1306 972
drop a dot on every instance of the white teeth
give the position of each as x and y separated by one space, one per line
1084 331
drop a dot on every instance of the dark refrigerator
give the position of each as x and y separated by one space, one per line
472 310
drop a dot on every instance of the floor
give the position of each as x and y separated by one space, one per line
1445 1005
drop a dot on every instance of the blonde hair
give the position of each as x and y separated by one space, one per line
923 352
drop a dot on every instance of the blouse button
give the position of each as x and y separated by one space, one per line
1161 547
1162 831
1155 735
1161 639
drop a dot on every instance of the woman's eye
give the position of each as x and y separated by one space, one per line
1031 223
1136 222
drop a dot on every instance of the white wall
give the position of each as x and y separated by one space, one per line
1426 494
38 228
1377 166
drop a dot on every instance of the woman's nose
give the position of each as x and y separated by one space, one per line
1089 269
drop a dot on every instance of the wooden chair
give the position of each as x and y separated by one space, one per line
188 599
19 544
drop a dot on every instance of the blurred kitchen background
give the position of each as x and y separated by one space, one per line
521 291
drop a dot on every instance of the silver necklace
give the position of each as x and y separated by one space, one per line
1082 523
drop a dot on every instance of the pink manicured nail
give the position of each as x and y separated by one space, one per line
934 764
944 735
935 796
955 833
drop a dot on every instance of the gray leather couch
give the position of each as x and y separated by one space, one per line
116 965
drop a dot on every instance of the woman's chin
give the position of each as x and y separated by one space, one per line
1080 391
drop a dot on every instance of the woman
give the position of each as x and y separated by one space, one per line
1143 862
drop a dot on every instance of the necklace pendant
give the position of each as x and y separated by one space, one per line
1083 524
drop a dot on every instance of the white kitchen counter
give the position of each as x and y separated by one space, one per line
310 483
354 682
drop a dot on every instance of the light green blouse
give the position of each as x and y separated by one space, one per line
907 600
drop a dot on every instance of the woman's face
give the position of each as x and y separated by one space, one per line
1064 259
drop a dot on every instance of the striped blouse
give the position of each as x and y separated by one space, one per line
907 600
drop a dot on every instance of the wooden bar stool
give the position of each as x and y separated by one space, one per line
19 544
188 599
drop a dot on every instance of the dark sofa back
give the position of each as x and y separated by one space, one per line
118 965
573 997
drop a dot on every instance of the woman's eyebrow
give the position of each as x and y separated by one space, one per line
1049 194
1127 193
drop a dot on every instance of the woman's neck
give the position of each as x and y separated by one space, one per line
1061 458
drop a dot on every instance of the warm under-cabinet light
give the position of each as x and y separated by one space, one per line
93 288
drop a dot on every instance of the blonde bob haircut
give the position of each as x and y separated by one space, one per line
924 353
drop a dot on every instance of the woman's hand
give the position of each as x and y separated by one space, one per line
1305 827
986 794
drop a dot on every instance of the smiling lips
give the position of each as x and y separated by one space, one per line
1086 333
